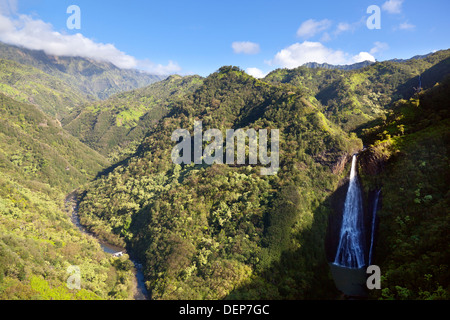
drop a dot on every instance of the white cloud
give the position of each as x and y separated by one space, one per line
255 72
39 35
379 47
301 53
8 7
311 27
245 47
147 65
325 37
406 26
342 27
393 6
362 56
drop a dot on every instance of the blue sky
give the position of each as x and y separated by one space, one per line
198 37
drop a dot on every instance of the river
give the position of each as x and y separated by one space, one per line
140 289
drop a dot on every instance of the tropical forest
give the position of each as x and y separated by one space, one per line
86 162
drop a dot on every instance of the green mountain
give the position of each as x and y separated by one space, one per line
30 85
220 231
356 97
95 79
118 124
408 157
39 164
217 231
34 146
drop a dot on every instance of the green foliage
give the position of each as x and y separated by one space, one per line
353 98
39 164
115 126
186 222
38 243
208 232
413 248
217 231
30 85
34 148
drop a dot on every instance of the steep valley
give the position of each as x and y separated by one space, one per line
220 231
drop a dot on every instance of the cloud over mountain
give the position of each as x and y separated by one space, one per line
25 31
255 72
301 53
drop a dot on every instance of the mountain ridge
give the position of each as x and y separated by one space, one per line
39 164
358 65
96 79
27 84
221 231
354 97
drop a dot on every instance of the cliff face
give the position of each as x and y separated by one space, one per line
336 202
339 166
371 161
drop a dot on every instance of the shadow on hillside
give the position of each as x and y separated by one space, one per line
140 149
368 125
111 168
303 273
429 78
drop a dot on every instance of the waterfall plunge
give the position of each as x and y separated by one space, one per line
350 252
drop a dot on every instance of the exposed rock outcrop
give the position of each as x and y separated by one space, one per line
372 162
339 166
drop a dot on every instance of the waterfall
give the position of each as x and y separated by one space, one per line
374 216
350 252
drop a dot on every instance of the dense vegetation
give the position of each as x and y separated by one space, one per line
354 66
209 232
38 243
412 145
114 127
353 98
33 146
218 231
30 85
39 164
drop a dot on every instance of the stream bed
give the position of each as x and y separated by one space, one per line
141 291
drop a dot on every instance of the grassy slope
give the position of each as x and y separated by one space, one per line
218 231
34 146
122 120
274 250
30 85
39 164
354 98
